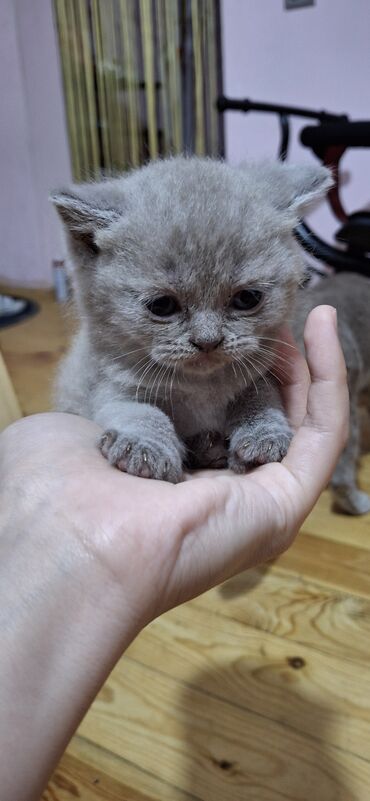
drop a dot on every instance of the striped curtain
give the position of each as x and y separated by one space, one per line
141 78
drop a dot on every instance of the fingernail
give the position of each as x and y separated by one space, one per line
335 319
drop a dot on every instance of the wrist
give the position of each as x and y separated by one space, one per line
64 622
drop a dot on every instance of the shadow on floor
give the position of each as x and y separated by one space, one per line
233 753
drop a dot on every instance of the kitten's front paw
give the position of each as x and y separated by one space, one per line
141 457
251 448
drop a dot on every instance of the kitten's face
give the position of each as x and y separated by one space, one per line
200 304
188 263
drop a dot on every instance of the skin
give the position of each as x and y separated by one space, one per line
89 555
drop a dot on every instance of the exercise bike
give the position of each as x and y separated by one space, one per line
328 139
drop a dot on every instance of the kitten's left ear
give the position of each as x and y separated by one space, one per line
290 187
304 184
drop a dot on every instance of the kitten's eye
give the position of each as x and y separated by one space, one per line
164 306
247 300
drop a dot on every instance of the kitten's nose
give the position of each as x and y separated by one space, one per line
206 344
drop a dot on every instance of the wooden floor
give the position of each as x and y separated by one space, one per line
257 691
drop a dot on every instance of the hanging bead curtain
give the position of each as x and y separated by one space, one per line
141 78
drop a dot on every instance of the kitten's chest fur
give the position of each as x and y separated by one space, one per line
201 406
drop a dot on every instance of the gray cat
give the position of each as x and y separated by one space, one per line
184 271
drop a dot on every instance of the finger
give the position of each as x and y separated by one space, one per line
321 437
292 370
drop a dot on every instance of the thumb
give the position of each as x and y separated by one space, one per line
320 439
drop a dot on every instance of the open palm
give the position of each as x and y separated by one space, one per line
166 543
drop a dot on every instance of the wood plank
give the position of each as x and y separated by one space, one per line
339 527
212 749
9 406
142 785
261 672
338 565
301 611
77 779
32 350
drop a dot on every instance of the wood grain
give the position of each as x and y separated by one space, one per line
340 566
213 749
76 779
32 350
300 611
103 763
9 406
353 532
263 673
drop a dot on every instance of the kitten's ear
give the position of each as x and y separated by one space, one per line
291 187
82 218
305 184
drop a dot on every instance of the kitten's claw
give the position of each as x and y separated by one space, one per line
106 441
160 461
251 453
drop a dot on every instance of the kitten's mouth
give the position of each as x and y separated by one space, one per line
207 362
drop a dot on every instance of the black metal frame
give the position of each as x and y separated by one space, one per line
340 260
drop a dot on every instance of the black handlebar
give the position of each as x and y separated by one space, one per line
232 104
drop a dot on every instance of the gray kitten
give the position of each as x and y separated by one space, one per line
184 271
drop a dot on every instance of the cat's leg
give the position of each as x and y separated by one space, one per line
347 497
140 439
258 428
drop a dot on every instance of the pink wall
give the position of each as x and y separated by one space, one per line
33 146
317 57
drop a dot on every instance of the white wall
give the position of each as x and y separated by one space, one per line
317 57
33 145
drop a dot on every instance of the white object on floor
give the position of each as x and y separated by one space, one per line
10 306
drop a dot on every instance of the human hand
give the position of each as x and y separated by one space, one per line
88 554
162 544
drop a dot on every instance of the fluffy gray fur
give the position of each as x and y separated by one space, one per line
190 388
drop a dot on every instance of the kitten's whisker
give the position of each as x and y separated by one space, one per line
265 283
279 341
143 370
171 385
160 379
270 371
277 377
240 371
274 358
127 353
151 382
271 352
136 365
146 369
166 384
250 366
240 363
168 381
269 364
253 363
